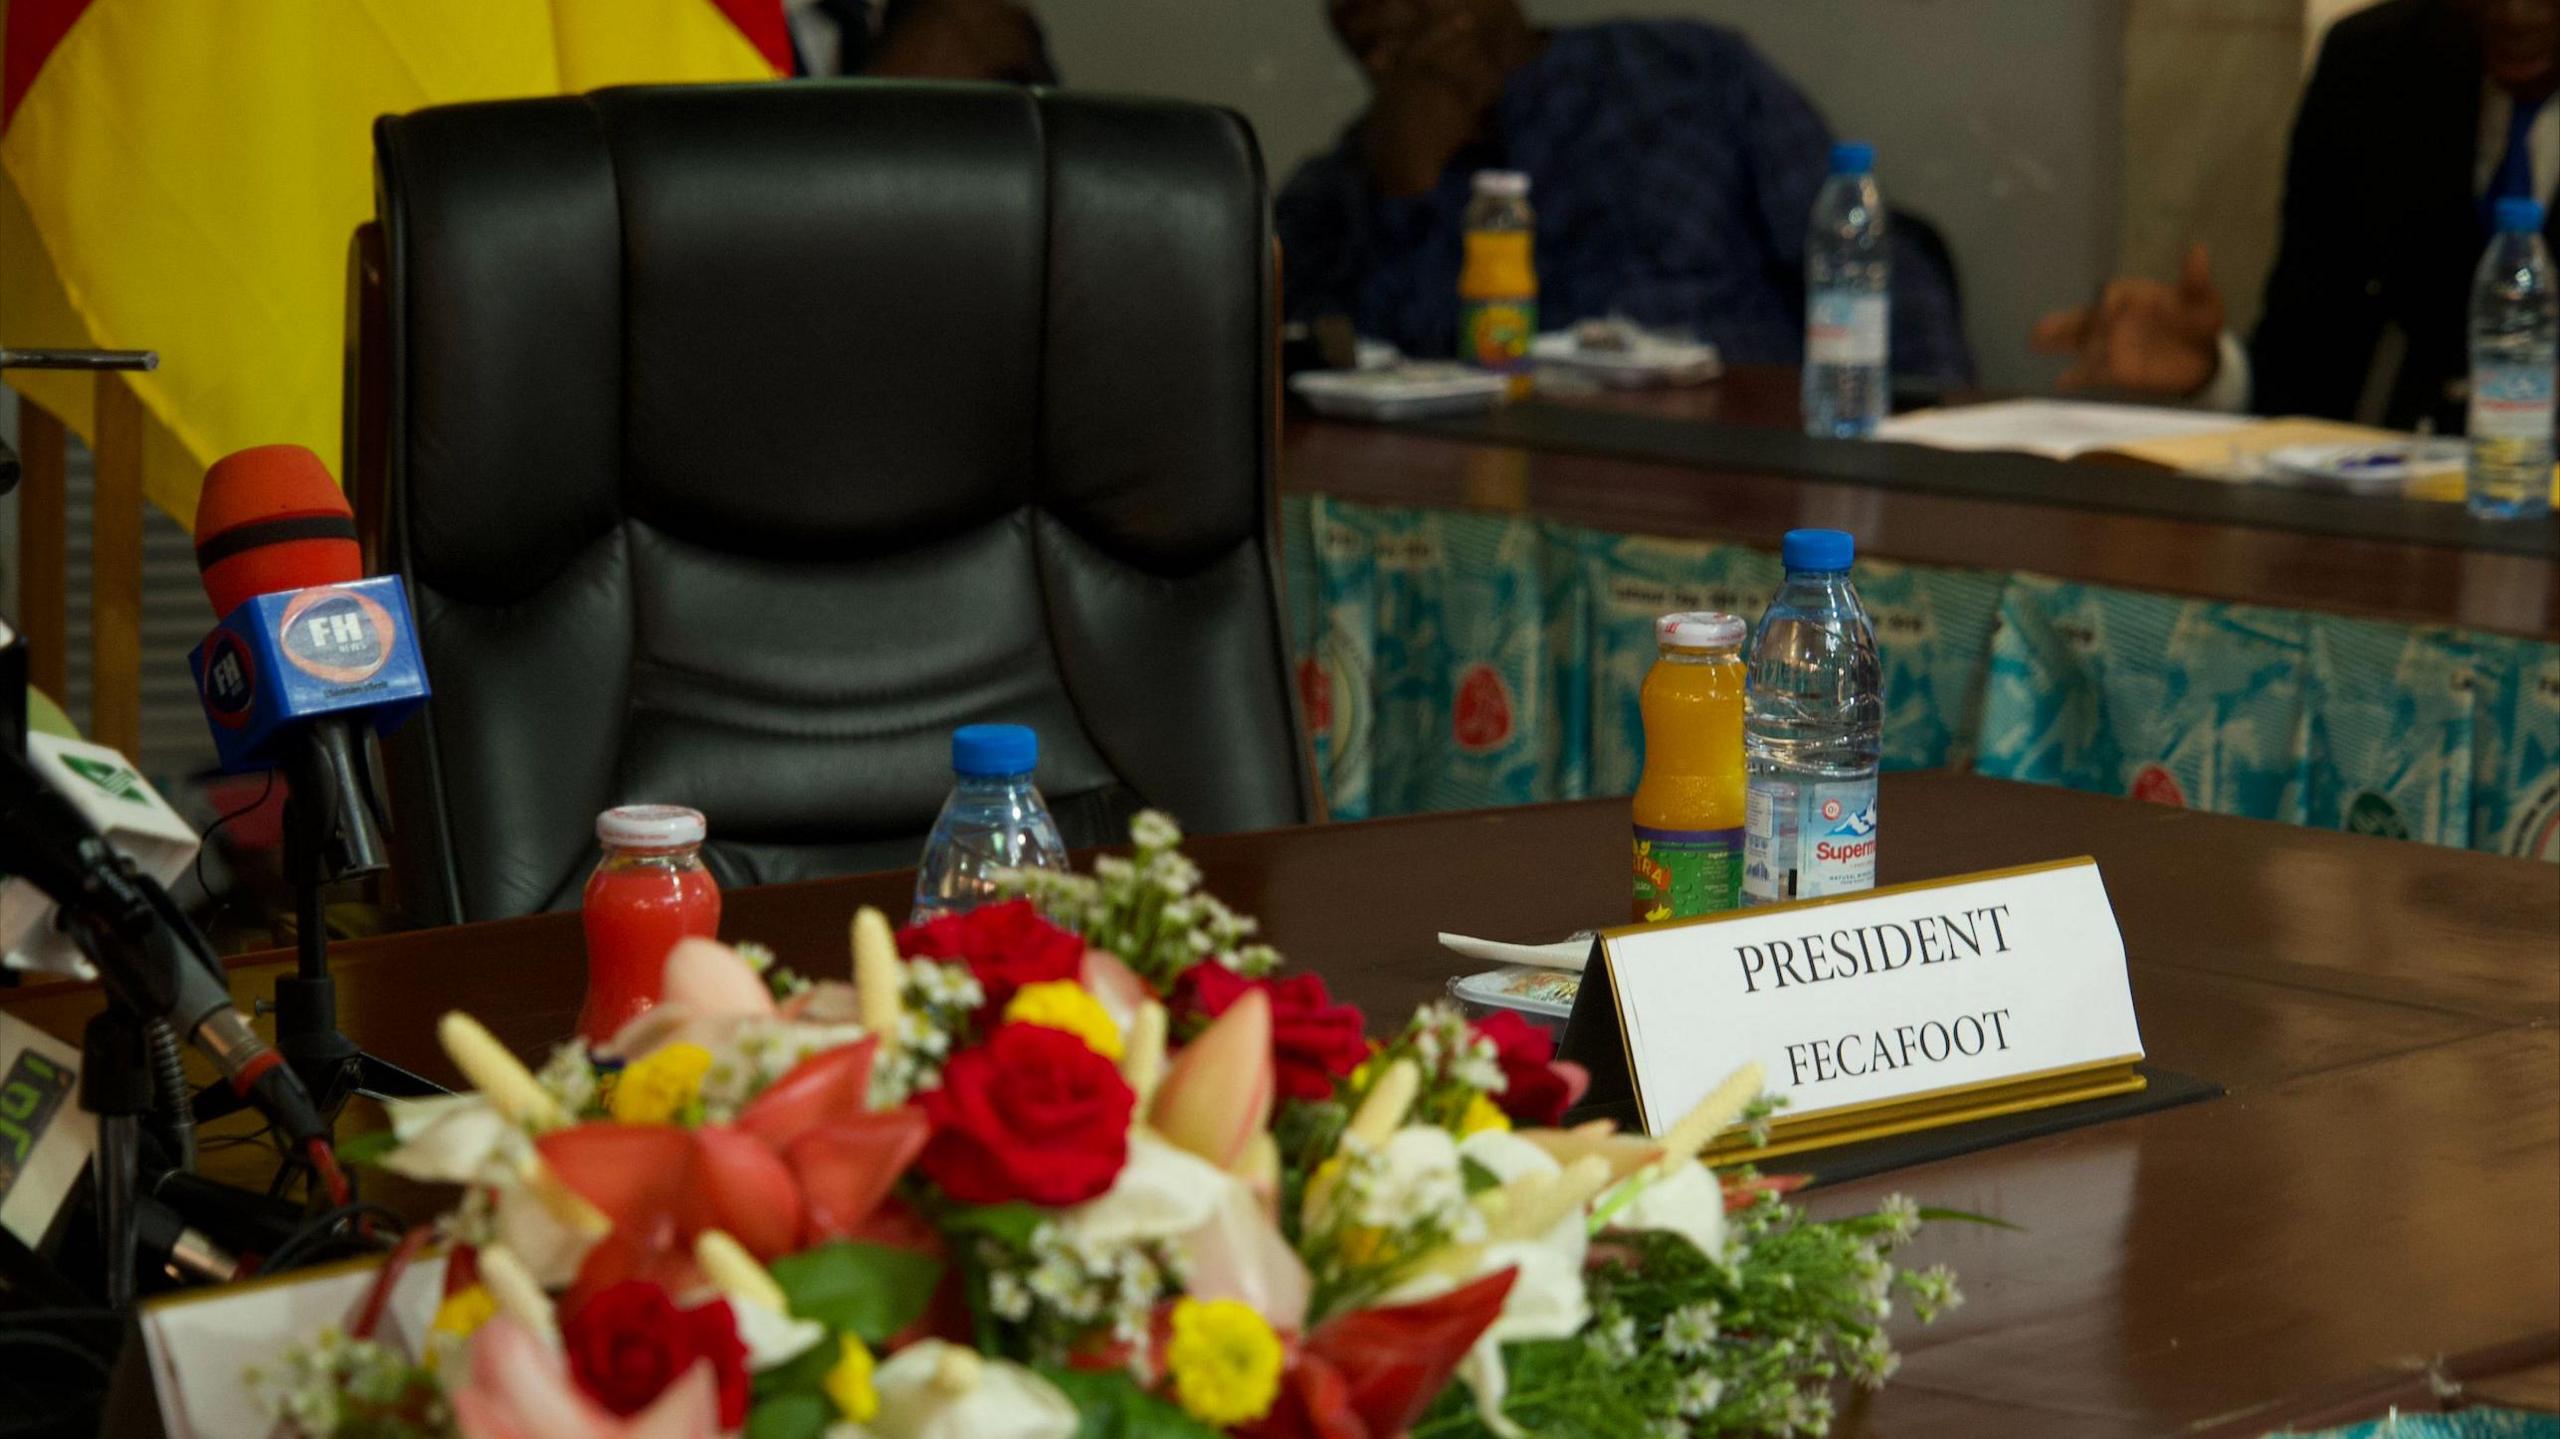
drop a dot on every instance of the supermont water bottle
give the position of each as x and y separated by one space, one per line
2513 327
1813 731
1848 277
994 820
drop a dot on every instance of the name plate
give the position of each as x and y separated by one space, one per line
1872 1014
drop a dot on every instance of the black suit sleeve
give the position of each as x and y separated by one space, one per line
2323 314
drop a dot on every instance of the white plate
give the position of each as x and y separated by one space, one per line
1401 392
1651 360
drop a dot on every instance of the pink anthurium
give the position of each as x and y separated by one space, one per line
1110 979
1217 1095
807 1161
708 989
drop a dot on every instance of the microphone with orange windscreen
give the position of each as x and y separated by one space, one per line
270 519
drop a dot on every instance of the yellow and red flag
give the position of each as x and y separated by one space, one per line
182 175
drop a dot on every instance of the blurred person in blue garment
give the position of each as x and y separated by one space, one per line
1672 169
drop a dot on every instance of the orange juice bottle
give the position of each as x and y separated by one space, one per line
1689 805
1498 288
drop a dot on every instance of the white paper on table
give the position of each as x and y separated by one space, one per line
2058 429
201 1344
1567 954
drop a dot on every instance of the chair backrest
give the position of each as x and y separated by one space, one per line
737 443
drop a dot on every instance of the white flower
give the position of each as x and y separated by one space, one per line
1162 1192
455 1139
1007 1296
771 1338
1687 1202
570 1076
934 1390
1698 1394
1154 829
1901 1214
1171 873
1417 1182
1615 1339
1690 1330
1875 1362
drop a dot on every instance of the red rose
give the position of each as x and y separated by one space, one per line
1314 1041
1005 945
1030 1114
1533 1092
629 1342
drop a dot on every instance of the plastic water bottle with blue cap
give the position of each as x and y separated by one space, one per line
2514 325
1848 281
1812 731
995 820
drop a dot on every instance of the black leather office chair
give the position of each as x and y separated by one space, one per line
737 443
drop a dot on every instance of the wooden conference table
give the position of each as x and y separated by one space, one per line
2379 1188
1727 461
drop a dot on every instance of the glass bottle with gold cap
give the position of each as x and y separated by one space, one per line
1689 806
1498 285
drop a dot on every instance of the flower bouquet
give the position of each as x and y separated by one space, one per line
1087 1162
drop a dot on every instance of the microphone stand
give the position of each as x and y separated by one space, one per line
330 834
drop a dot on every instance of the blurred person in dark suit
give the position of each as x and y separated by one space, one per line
922 40
1672 170
2419 116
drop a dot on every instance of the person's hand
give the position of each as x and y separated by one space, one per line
2142 336
1432 93
962 40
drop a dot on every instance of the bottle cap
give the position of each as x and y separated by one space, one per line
2519 215
651 826
1700 630
1821 551
1853 157
986 751
1508 184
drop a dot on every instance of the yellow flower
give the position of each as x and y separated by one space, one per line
849 1383
1066 1005
1225 1361
1362 1245
653 1090
1482 1114
457 1319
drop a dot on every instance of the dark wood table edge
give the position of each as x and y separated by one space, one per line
2110 487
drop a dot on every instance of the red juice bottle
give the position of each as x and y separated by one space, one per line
649 891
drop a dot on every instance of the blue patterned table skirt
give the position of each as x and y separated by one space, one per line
1451 660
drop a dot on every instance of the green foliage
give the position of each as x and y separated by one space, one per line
367 1149
1009 1224
803 1414
859 1288
1305 1132
1112 1406
1744 1344
1563 1389
804 1372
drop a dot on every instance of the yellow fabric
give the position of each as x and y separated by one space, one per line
184 175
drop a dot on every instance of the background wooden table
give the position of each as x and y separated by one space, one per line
2380 1188
2100 523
